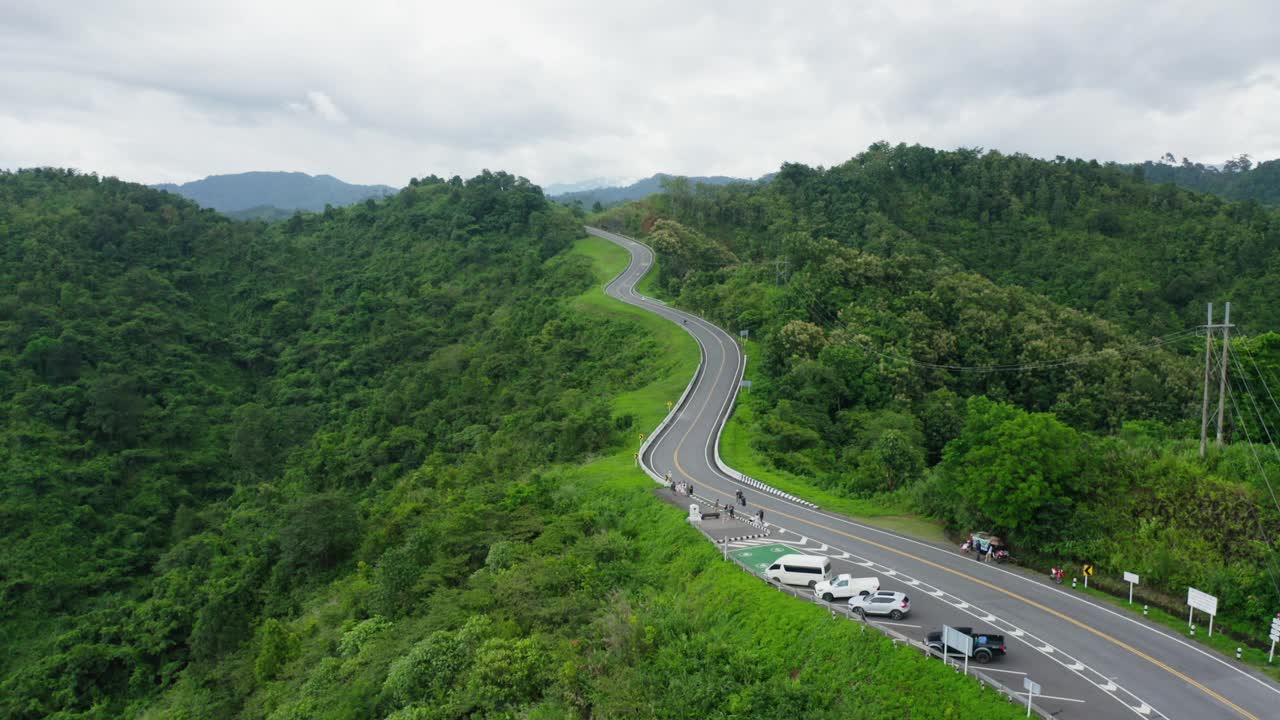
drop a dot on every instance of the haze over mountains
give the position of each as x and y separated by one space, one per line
637 190
270 194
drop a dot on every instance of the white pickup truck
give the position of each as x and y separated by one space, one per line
845 586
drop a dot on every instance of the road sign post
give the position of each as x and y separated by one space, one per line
1275 635
1087 570
1032 688
1198 600
1132 579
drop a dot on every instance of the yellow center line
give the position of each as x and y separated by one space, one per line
696 418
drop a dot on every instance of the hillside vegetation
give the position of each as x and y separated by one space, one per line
1238 179
1001 343
333 468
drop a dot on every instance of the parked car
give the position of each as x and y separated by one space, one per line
986 646
886 602
807 570
844 586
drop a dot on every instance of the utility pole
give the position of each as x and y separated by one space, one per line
1222 385
1209 327
1208 356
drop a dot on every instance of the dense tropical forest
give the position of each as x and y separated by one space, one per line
1003 343
1238 179
370 462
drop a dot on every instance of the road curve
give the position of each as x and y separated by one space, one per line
1102 663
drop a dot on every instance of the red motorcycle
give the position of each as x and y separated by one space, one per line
1056 574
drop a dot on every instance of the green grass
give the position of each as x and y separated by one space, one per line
736 448
678 359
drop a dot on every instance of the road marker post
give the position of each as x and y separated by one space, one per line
1132 579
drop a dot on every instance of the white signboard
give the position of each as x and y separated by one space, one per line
956 640
695 514
1033 689
1202 601
1132 579
1275 636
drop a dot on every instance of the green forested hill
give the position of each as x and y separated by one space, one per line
1002 343
327 468
1238 179
1089 236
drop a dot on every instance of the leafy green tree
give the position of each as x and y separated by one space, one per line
1020 472
319 531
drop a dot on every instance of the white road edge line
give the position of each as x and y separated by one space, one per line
1052 697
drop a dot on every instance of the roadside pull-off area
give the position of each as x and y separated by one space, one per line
1091 661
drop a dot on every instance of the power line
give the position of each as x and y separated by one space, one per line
1262 421
1261 469
1258 371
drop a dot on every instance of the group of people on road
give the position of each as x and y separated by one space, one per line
985 546
681 487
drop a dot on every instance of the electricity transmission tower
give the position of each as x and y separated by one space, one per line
1209 327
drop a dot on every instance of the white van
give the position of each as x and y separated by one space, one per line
807 570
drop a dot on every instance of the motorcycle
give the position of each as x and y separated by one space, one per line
1001 555
1056 574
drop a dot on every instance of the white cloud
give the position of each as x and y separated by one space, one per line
559 91
319 105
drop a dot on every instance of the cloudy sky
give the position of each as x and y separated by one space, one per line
378 91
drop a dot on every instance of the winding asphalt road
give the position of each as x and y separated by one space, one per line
1091 660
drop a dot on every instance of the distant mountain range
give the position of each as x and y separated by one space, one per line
640 189
554 189
267 195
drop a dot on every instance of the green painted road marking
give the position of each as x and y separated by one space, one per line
761 557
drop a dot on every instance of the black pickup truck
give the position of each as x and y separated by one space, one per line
985 645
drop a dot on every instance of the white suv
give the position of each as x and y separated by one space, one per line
845 585
886 602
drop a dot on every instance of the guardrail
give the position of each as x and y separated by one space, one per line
841 610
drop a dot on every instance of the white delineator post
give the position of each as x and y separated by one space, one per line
1132 579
